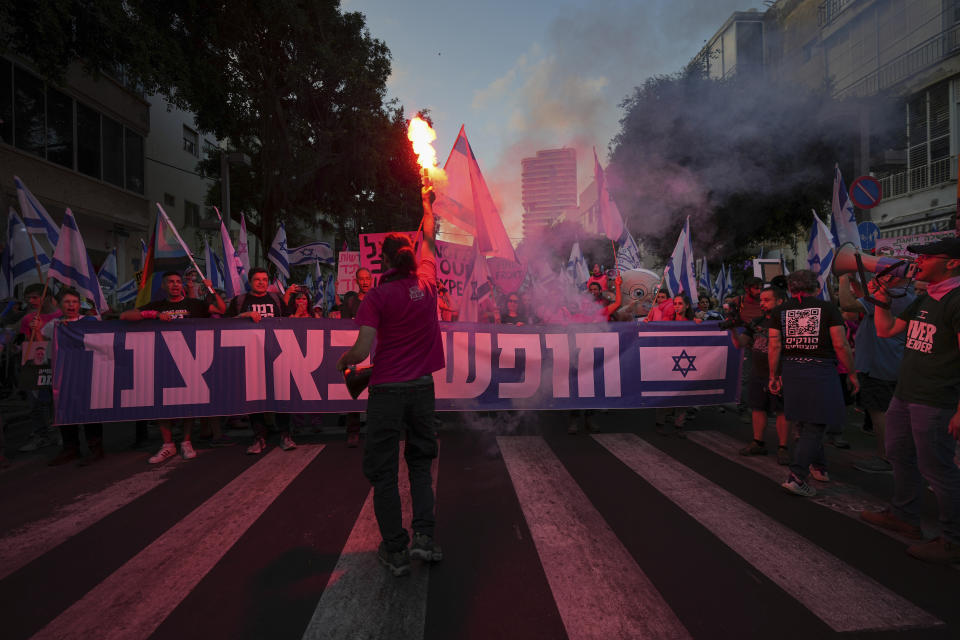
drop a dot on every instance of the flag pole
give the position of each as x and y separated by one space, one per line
957 215
183 245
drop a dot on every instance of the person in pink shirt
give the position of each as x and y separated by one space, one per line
401 313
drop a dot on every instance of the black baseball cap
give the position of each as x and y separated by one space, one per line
946 246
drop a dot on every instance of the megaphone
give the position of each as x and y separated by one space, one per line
849 260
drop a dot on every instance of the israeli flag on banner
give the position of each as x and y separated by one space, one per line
108 272
820 253
278 252
843 221
71 265
35 216
681 273
127 292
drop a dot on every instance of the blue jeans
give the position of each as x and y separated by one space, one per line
392 410
920 449
809 449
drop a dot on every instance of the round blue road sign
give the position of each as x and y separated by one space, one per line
865 192
869 232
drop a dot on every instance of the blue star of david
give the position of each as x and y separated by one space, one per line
683 356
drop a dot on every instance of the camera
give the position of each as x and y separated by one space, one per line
731 316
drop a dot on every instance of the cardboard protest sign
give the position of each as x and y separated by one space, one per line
347 264
898 246
507 275
371 244
453 268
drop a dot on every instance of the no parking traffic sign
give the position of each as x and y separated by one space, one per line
865 192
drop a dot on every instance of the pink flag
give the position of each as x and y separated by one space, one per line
608 215
465 202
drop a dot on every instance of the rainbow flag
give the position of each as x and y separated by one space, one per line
164 253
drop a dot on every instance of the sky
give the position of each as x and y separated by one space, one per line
533 74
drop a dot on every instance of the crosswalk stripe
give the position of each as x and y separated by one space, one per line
21 547
136 598
599 589
846 499
838 594
362 598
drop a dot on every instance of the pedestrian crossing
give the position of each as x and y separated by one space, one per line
544 536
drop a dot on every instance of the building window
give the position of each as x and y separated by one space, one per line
191 211
133 154
112 151
59 128
928 136
88 141
6 102
169 200
28 120
190 140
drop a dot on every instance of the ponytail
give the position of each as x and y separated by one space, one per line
399 251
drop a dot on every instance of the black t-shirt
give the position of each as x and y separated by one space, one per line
930 370
760 347
186 308
804 327
269 305
350 304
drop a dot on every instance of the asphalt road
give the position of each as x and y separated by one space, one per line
620 534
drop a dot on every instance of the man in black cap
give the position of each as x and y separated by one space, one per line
923 419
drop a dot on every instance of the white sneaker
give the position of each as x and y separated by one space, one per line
257 447
186 450
287 443
167 451
819 475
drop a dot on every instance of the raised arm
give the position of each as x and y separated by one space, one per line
887 326
848 301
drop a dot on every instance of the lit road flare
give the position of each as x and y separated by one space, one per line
421 134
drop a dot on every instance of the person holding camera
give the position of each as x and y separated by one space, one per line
401 314
759 398
923 419
809 333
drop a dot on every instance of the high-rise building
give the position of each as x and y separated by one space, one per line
549 182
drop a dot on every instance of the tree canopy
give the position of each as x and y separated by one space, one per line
297 85
745 158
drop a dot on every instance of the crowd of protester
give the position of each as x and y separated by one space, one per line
806 360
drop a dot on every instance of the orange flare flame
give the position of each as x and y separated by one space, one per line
421 134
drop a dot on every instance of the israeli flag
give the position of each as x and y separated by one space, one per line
127 292
820 253
35 216
6 291
71 265
22 267
214 268
705 277
680 272
628 253
843 221
278 252
577 266
108 272
330 293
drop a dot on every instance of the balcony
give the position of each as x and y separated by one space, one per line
899 184
829 10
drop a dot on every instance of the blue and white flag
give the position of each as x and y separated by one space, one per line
728 281
577 267
35 216
214 268
319 287
308 253
6 291
719 284
681 273
243 250
108 272
330 293
820 253
843 221
127 292
705 277
628 253
71 265
278 252
22 267
234 274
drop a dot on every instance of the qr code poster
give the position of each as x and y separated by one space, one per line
802 330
